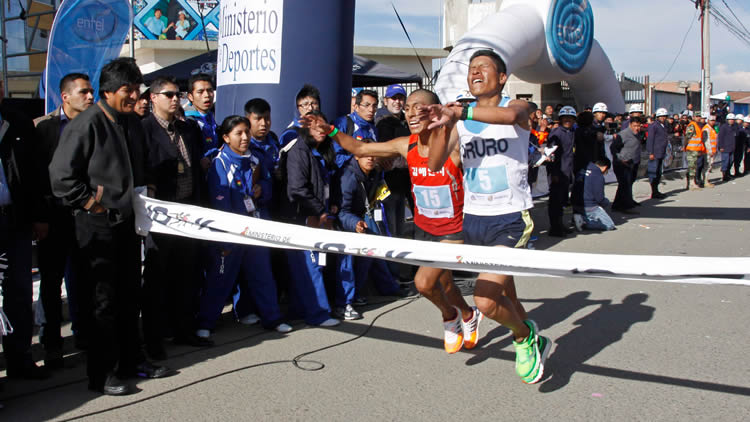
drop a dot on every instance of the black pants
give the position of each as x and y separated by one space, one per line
108 293
56 252
699 166
15 249
739 155
624 195
559 191
171 279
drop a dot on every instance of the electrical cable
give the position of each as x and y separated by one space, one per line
297 361
692 23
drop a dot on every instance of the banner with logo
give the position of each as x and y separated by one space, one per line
201 223
176 19
85 35
250 42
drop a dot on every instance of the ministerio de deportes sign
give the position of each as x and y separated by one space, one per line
250 35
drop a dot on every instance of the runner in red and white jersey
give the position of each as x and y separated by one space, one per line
438 198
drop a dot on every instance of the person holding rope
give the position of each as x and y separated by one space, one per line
438 212
492 136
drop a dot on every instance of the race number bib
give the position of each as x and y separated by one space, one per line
434 201
488 184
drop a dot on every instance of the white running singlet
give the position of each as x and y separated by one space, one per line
495 159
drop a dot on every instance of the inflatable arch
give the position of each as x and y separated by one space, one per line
541 41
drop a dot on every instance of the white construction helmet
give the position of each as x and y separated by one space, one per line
712 118
747 119
739 117
636 108
567 111
662 112
600 108
705 115
731 116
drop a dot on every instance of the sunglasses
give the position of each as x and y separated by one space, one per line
170 94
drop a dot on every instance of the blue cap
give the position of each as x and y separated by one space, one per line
394 90
355 91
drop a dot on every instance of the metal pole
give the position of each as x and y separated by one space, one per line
132 32
706 81
203 24
4 42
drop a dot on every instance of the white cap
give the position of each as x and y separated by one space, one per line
567 111
636 108
739 117
662 112
711 117
705 115
730 116
747 119
600 108
465 95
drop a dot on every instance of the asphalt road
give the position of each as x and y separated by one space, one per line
624 350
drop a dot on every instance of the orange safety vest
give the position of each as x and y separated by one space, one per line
712 136
695 143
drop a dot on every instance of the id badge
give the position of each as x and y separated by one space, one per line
322 259
180 167
378 215
249 204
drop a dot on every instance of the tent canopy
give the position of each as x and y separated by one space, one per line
365 72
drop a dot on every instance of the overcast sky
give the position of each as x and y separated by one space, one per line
641 37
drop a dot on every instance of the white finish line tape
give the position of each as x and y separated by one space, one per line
202 223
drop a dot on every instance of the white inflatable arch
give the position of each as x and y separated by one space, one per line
541 41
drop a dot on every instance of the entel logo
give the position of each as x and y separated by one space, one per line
95 22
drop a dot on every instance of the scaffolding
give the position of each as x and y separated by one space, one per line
32 20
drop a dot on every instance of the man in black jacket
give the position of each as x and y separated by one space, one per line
17 211
100 158
171 276
55 232
656 145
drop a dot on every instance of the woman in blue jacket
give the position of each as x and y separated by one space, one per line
310 165
232 187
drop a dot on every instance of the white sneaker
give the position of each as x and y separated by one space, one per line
578 221
330 322
203 333
283 328
249 319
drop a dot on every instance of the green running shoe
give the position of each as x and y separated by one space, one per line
531 354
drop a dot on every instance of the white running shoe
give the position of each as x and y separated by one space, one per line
330 322
283 328
578 221
250 319
454 333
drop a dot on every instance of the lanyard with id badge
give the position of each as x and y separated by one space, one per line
374 217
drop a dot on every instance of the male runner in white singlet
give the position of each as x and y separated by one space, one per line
492 135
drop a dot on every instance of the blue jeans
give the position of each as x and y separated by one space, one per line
597 219
727 158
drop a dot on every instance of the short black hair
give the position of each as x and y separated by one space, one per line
307 91
499 63
229 123
434 99
585 118
119 72
69 79
257 106
532 107
364 92
636 119
199 77
158 84
603 162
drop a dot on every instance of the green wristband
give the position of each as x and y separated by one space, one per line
470 113
333 133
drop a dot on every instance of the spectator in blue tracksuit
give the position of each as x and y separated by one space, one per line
726 144
589 199
309 164
307 100
201 96
359 183
560 170
233 187
656 145
359 124
265 147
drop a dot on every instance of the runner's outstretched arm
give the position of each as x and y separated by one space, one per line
517 112
392 148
